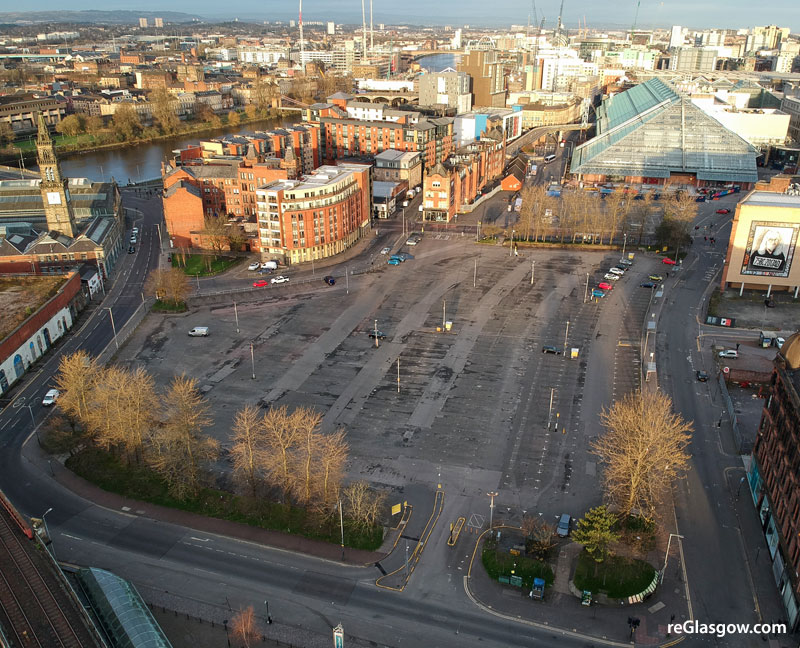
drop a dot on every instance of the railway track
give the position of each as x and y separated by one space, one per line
27 600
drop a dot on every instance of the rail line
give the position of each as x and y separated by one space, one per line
33 611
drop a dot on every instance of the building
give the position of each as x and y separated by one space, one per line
694 59
766 38
399 166
653 134
488 81
316 216
774 475
541 113
53 225
448 88
386 196
470 126
791 106
20 112
351 128
159 23
331 28
143 23
763 241
761 127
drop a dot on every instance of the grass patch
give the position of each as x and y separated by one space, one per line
498 563
616 576
203 265
169 307
713 303
138 482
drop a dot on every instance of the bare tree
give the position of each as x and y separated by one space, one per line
617 206
363 504
244 627
77 375
540 536
181 450
332 457
169 285
215 228
233 118
306 424
163 105
281 438
643 451
248 450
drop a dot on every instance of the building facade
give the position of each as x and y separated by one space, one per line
488 81
448 88
397 166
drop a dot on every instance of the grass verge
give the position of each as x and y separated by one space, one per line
203 265
138 482
169 307
499 563
616 576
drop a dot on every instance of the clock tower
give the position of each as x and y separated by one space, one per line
54 188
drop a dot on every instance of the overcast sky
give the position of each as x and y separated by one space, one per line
728 14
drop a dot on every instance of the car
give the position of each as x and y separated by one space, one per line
779 342
328 279
254 266
700 199
611 276
605 286
655 277
548 348
564 523
398 257
622 267
626 262
702 376
376 334
647 284
133 238
394 261
596 292
199 331
412 241
405 203
729 353
386 250
616 271
135 231
260 283
131 250
667 261
50 397
279 279
724 211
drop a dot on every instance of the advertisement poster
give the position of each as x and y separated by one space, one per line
770 249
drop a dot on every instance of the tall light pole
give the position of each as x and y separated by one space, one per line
47 532
533 268
511 249
586 290
566 335
491 495
33 423
253 360
624 241
236 315
113 328
666 556
376 334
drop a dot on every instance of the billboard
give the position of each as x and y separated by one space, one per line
770 249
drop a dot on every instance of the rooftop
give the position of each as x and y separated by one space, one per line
771 199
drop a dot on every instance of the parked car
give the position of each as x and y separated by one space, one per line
626 262
622 267
260 283
135 231
548 348
280 279
702 376
605 286
51 397
564 523
254 266
199 331
376 334
412 241
647 284
328 279
616 271
386 250
667 261
596 292
655 277
133 239
131 250
394 261
779 342
724 211
397 257
700 199
729 353
611 277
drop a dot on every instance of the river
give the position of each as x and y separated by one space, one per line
143 161
438 62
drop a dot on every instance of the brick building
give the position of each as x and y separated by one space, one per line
774 475
316 216
395 166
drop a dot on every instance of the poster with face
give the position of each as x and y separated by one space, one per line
770 248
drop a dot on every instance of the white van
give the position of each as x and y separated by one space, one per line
199 331
549 158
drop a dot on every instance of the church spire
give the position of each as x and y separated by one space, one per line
44 133
54 188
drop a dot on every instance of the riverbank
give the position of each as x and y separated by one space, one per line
68 146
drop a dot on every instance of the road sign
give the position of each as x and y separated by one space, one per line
726 370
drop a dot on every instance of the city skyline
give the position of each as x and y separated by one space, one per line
738 13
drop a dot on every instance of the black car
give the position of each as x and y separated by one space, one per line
329 280
702 376
647 284
376 334
131 250
548 348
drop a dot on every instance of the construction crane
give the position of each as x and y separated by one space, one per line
635 18
559 27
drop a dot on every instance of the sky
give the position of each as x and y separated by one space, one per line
602 14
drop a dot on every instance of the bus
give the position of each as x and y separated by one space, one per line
549 158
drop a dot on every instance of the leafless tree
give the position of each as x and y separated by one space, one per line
332 458
215 229
244 627
363 504
540 536
170 285
281 438
643 451
76 379
248 449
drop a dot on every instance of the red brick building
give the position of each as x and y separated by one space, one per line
774 475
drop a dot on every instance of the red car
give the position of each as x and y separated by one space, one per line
260 283
723 211
668 261
605 286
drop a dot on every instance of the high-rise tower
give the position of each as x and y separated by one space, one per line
55 192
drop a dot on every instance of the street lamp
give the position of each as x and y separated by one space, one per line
491 495
624 241
511 249
269 618
586 290
113 328
47 533
376 334
666 556
33 422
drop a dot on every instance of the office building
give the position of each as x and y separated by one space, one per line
488 81
331 28
143 22
447 88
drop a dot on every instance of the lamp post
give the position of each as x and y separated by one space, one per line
47 533
666 556
33 423
236 315
269 618
113 328
376 334
566 335
511 249
586 290
533 268
253 360
624 241
491 495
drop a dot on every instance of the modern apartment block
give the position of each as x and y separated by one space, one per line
448 88
488 82
774 475
316 216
